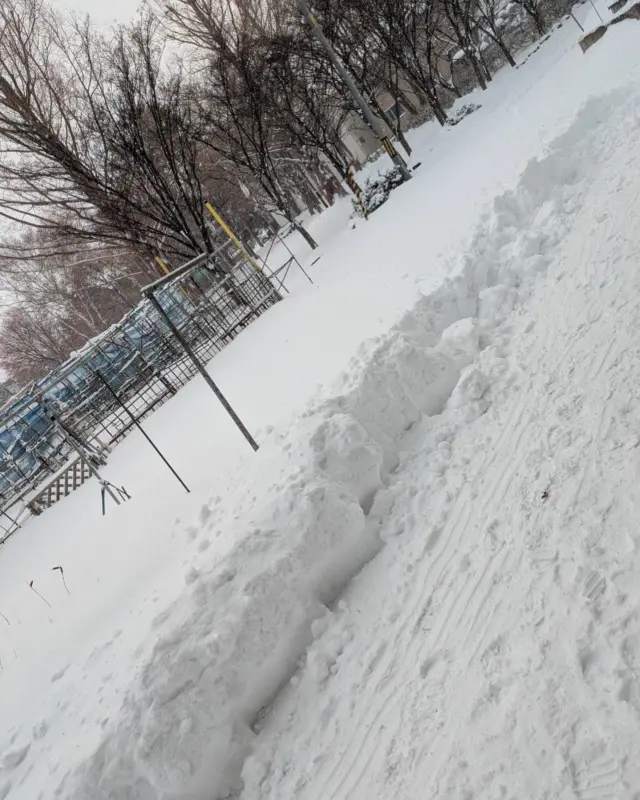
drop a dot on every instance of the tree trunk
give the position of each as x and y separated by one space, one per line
485 67
476 69
538 20
271 222
439 113
405 99
395 129
401 137
309 181
304 233
309 198
506 52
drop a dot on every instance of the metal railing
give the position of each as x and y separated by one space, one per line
209 300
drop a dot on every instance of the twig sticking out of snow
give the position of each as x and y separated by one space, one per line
39 595
4 618
62 576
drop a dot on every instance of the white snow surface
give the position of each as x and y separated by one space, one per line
426 583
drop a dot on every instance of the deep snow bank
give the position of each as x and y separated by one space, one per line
242 625
489 641
240 629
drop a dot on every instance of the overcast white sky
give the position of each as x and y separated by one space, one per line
101 11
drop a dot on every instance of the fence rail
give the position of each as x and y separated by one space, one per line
212 301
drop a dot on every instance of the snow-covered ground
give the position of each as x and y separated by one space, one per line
475 467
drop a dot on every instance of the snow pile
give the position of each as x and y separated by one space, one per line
380 729
171 707
226 647
239 630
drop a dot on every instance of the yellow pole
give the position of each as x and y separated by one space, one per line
241 248
163 266
166 271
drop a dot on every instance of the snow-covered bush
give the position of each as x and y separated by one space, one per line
376 191
462 112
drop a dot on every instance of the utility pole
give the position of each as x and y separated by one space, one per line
371 118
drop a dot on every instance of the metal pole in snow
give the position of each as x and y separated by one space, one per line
597 12
200 367
575 19
139 427
371 118
79 449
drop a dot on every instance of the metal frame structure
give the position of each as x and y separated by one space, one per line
209 300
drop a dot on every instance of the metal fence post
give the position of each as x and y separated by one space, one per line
200 367
136 422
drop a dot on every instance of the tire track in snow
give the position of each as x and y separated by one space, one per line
501 567
368 722
595 778
601 359
437 749
456 606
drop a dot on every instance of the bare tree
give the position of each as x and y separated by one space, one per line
57 302
490 18
32 342
98 143
310 110
235 96
533 9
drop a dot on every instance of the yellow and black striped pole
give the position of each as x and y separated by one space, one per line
355 188
389 147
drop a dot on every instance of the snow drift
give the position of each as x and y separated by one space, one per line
240 629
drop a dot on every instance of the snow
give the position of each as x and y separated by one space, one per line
426 580
492 658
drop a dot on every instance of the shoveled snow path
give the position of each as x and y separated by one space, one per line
490 649
493 647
